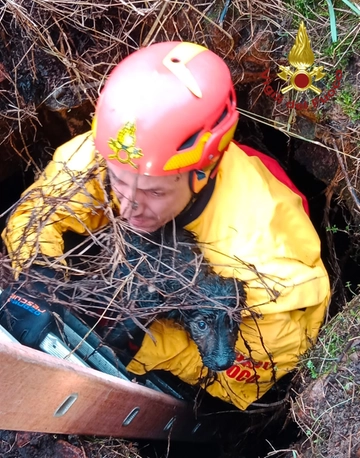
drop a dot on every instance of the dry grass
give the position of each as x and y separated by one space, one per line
66 50
101 274
34 445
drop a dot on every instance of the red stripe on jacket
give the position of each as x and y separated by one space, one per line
275 169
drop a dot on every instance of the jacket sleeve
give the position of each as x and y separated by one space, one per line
69 195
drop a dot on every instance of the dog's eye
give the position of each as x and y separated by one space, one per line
202 325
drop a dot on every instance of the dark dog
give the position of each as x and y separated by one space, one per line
166 275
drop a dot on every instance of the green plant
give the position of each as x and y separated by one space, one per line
310 365
348 102
306 9
349 287
339 53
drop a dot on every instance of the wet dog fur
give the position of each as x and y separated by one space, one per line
171 278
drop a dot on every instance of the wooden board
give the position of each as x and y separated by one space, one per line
39 392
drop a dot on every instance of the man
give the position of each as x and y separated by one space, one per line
164 124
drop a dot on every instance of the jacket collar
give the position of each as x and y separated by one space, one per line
196 206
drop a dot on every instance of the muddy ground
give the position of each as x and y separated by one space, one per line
327 402
37 445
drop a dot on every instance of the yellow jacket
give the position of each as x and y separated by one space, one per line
254 227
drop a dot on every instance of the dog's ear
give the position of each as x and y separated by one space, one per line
174 314
182 316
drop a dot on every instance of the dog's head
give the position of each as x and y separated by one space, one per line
213 323
215 334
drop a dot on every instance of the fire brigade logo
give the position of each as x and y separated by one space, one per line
301 57
124 146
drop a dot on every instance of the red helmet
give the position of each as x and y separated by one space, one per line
166 109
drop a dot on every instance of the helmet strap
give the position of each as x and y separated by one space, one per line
198 179
197 203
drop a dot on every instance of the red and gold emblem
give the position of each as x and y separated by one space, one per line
124 146
301 57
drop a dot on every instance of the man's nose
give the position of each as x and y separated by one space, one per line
130 205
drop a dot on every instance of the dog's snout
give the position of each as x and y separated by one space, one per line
219 363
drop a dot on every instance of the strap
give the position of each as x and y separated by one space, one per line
197 205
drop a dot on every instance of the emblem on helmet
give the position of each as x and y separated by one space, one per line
124 146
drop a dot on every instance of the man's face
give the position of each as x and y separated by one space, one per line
147 202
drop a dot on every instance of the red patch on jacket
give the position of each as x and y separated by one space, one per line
275 169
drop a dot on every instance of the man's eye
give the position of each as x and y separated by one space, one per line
157 193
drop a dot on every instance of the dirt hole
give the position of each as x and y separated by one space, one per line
280 431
